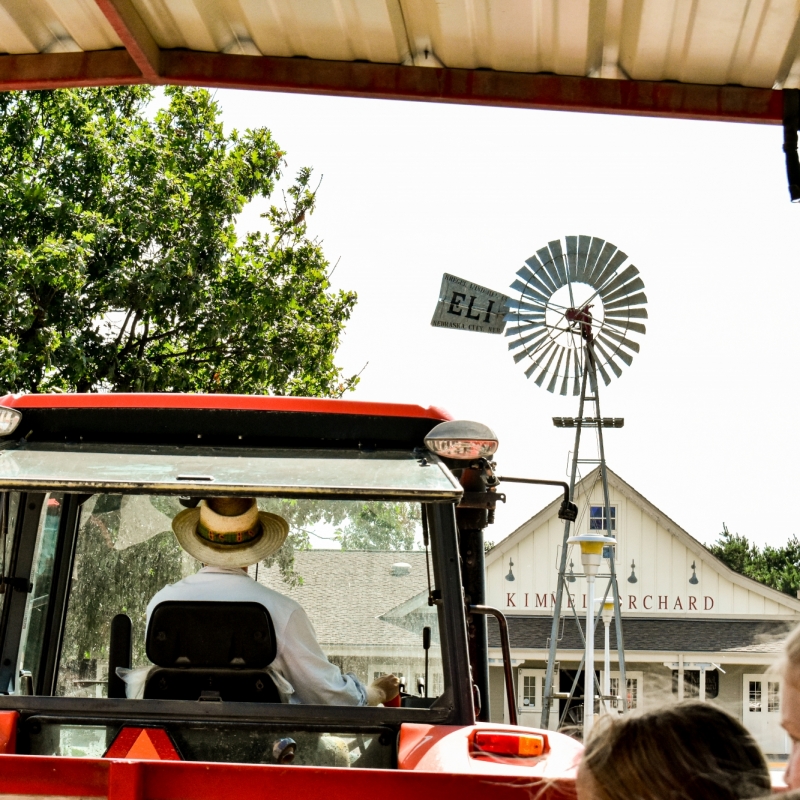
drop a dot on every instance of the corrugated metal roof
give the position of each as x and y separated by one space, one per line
746 42
570 54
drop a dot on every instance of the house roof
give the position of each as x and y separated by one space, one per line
669 635
709 59
632 495
347 592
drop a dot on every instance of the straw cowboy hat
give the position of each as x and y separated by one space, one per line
229 532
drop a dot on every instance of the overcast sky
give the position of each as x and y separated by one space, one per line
412 190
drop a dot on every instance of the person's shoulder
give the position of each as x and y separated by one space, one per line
273 596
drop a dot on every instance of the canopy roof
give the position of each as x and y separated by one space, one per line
712 59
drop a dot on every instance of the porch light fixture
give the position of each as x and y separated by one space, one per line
510 576
591 545
9 420
462 440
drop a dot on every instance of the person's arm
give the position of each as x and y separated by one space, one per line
314 678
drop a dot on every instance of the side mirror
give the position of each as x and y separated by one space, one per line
568 511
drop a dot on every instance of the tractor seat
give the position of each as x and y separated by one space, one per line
206 650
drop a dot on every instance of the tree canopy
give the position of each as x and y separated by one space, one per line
777 567
120 267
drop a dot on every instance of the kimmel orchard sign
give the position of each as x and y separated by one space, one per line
630 602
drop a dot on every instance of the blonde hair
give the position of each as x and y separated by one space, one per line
678 752
790 657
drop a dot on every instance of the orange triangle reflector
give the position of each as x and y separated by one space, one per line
143 744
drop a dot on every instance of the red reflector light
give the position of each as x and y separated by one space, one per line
501 743
144 744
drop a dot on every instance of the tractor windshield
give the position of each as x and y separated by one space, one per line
357 568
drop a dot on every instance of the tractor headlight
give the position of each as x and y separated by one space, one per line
9 420
462 440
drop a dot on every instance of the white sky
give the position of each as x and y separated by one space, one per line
412 190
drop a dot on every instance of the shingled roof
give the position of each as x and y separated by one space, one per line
351 595
669 635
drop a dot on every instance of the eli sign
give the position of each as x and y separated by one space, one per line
469 307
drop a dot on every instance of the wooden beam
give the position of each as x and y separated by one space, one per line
135 35
64 70
389 81
473 87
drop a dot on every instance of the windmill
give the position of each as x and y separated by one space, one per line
579 310
576 314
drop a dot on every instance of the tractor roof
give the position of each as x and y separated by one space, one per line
221 420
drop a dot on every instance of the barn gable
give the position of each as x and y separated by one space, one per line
662 569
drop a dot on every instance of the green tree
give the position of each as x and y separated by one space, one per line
357 526
119 264
777 567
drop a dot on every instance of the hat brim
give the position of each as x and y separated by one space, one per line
274 530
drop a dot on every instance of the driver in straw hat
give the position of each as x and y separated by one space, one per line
228 534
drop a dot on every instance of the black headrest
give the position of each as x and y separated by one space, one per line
211 635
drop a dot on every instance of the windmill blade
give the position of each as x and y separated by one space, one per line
625 326
538 269
594 251
523 316
616 261
610 361
521 330
629 273
528 276
558 259
603 373
547 262
564 383
530 370
602 260
639 299
637 313
527 291
572 257
519 305
628 288
551 387
616 350
540 379
622 340
583 252
523 340
531 347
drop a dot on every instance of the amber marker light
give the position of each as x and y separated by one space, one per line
462 439
514 745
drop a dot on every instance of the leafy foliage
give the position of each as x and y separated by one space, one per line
357 526
109 580
119 264
777 567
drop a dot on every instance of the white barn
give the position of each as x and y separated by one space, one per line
681 607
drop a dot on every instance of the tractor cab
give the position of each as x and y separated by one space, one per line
385 507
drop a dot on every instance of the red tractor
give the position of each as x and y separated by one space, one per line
88 486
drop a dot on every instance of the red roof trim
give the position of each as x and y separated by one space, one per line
303 405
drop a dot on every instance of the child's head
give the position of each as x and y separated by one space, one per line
680 752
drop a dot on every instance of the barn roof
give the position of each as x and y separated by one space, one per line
713 59
354 597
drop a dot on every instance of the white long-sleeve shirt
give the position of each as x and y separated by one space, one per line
299 659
